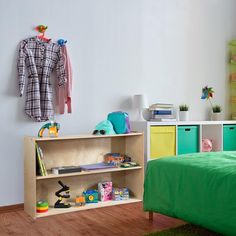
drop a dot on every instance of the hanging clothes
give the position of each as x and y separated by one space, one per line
39 58
64 93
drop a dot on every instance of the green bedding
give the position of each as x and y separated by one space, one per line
198 188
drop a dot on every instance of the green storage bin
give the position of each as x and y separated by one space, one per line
188 139
229 138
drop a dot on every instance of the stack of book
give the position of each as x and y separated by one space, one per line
162 112
41 168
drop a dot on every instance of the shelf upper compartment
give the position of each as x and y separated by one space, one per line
92 172
84 136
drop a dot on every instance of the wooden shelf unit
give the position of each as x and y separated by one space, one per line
78 150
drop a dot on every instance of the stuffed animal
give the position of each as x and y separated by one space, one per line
206 145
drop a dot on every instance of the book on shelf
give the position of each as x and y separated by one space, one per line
65 170
162 112
163 119
161 105
163 116
41 168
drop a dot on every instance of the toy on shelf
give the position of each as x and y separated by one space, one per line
105 191
80 201
116 159
53 128
119 194
128 164
206 145
42 206
58 203
113 159
91 196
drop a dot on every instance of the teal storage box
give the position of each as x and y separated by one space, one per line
188 139
229 138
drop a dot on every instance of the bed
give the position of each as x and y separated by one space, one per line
198 188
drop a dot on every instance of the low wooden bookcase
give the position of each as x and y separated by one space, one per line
78 150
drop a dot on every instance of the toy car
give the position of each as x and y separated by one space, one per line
80 201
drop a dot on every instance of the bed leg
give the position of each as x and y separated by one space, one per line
150 215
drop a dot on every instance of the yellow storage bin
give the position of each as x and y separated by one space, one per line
162 141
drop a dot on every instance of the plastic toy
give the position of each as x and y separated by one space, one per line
58 203
206 145
207 93
104 127
42 206
119 194
113 159
128 164
61 42
91 196
105 191
80 201
116 159
52 127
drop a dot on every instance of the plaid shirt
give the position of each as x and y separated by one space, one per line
39 58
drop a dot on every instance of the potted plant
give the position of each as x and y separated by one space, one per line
216 112
183 112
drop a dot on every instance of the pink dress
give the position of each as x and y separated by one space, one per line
64 93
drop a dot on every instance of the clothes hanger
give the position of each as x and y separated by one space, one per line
41 29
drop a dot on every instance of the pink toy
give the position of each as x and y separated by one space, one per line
206 145
105 191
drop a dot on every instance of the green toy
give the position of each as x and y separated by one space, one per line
52 127
91 196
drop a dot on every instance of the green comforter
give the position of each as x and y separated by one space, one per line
198 188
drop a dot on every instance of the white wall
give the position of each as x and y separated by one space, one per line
167 49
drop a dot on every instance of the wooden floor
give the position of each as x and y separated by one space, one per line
119 220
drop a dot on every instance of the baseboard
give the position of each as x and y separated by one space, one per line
10 208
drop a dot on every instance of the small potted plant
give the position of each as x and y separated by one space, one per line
216 112
183 112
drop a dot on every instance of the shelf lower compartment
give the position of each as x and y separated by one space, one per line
55 211
50 175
